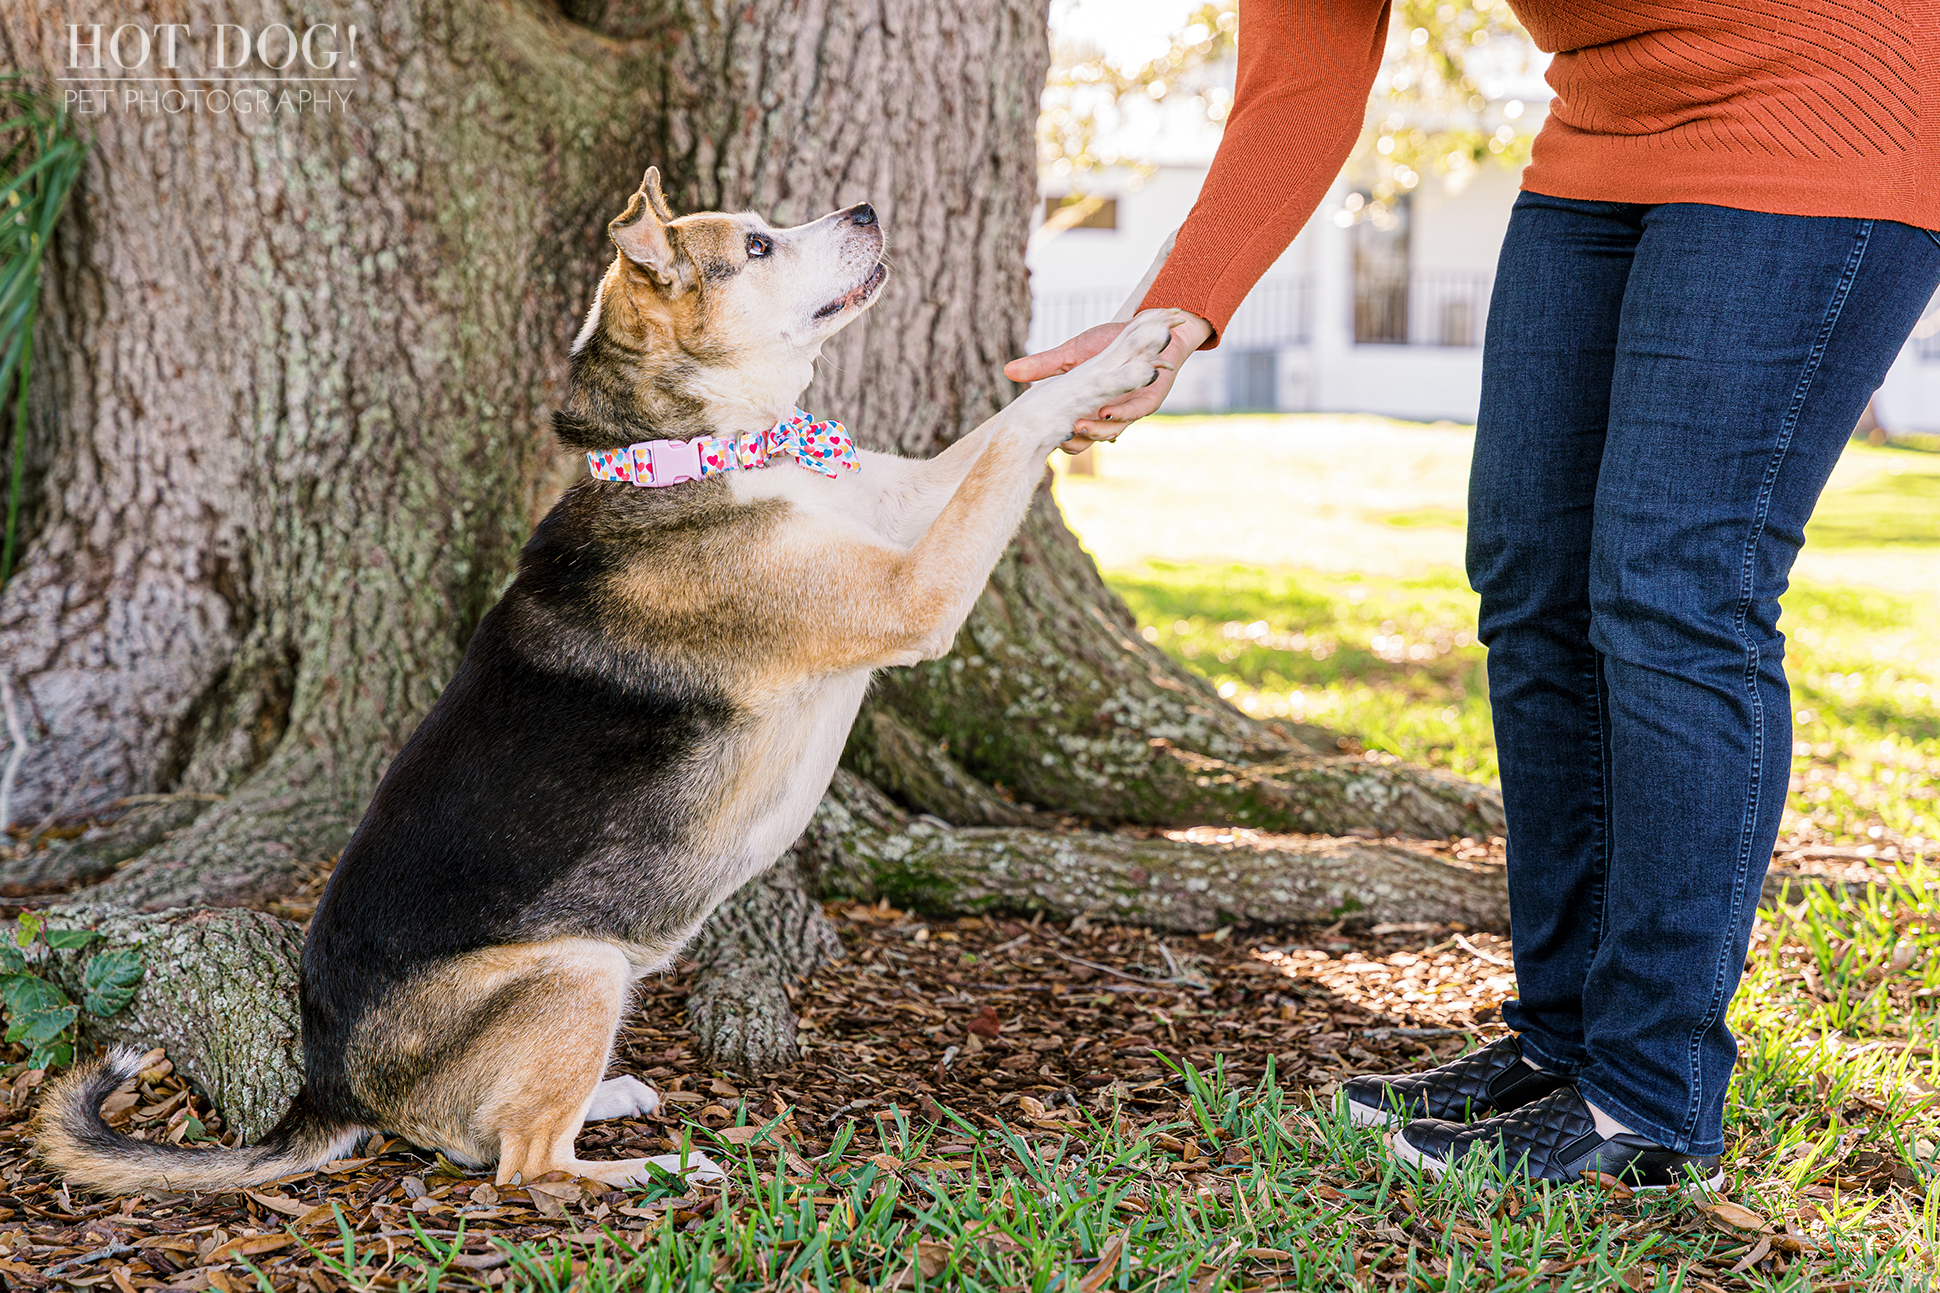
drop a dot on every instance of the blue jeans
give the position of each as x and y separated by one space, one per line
1664 391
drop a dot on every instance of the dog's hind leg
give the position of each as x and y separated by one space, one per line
543 1057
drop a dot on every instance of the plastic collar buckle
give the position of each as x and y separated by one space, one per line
667 462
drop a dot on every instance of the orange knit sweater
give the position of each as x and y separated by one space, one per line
1798 107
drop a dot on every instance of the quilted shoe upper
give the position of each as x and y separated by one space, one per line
1491 1080
1555 1139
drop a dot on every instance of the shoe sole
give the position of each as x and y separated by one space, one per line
1434 1167
1366 1115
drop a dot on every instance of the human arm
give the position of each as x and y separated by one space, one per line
1304 74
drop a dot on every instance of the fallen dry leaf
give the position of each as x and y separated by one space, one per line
282 1203
1106 1266
985 1022
1735 1215
1609 1184
248 1247
930 1258
1759 1252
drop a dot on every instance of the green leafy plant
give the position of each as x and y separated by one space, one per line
40 158
39 1015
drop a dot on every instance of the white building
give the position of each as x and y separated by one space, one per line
1351 318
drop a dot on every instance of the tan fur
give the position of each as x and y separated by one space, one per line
539 1021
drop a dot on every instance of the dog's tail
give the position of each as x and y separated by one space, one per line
77 1142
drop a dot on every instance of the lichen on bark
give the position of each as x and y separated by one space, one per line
1051 694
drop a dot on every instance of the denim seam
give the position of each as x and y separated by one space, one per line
1601 821
1545 1061
1747 827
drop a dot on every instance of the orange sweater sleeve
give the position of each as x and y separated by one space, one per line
1305 69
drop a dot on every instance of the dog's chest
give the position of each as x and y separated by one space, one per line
774 773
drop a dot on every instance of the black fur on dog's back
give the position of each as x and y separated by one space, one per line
540 798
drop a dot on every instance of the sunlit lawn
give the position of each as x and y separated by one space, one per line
1385 651
1372 635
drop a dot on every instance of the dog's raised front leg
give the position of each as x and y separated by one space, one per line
950 563
832 600
918 490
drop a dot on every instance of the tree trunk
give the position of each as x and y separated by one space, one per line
290 426
293 389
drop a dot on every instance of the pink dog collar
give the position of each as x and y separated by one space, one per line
819 446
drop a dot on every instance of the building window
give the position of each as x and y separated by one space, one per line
1253 381
1381 274
1079 211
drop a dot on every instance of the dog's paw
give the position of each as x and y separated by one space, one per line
1129 362
622 1097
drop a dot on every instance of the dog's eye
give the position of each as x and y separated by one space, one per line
759 245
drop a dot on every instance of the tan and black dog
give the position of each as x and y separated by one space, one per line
645 720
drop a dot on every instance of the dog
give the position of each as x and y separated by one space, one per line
644 722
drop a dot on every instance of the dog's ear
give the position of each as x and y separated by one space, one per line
641 234
650 185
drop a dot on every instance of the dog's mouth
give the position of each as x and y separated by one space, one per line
856 295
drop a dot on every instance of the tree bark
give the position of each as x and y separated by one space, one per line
1052 695
298 371
861 845
290 426
218 995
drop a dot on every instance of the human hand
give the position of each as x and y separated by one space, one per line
1113 417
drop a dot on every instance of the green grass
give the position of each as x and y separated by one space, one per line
1308 1202
1394 663
1895 508
1832 1118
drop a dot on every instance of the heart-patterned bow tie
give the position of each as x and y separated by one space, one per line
821 446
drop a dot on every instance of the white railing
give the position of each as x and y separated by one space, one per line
1428 307
1277 313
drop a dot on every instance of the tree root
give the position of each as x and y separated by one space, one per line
63 865
1052 699
863 846
218 994
756 946
918 772
248 850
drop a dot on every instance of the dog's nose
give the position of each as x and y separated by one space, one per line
862 213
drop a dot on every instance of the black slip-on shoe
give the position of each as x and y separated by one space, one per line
1489 1081
1555 1139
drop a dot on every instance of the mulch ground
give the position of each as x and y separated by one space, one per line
1004 1022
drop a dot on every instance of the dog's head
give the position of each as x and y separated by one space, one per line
711 323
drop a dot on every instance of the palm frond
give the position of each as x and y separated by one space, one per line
40 158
